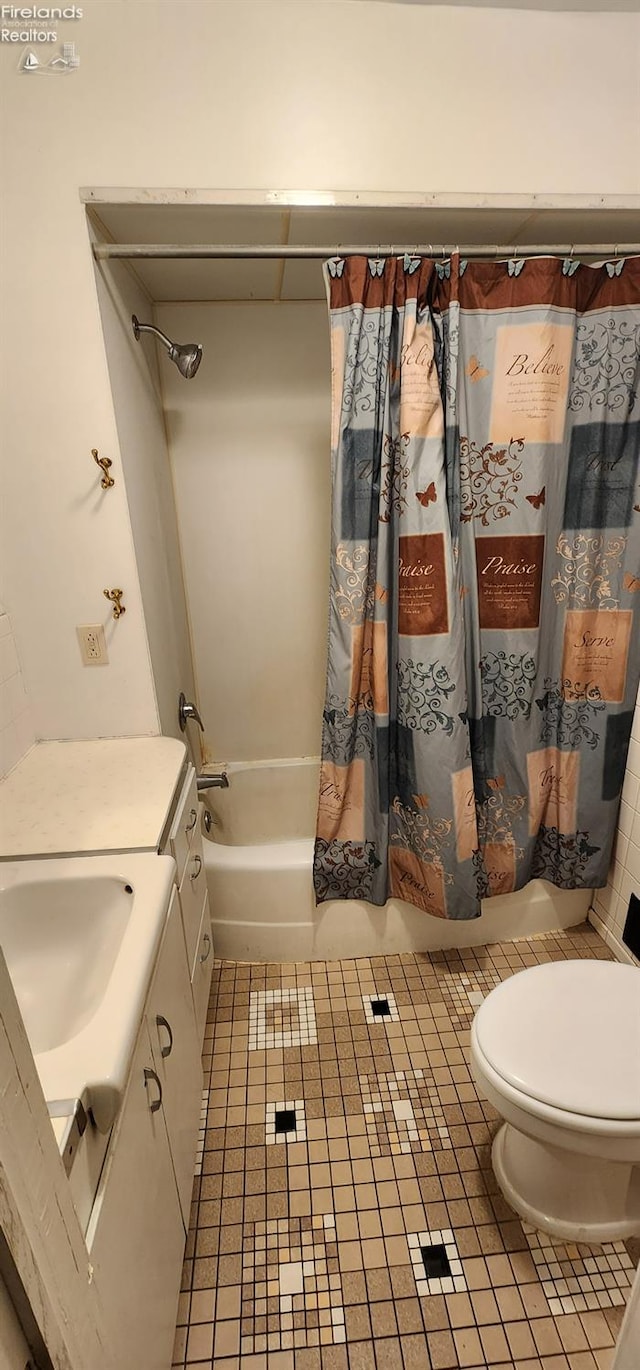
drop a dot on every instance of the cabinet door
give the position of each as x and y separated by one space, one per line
185 823
201 972
193 888
176 1053
136 1235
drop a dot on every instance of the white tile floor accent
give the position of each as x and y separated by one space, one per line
302 1284
405 1124
300 1134
454 1283
392 1017
266 1025
202 1127
576 1277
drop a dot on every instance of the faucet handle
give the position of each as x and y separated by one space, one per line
187 711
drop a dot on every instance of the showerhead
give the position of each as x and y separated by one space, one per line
187 356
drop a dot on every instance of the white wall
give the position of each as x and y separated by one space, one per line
610 905
135 382
247 95
16 721
250 454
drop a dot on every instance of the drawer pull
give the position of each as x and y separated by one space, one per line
151 1075
162 1022
206 941
193 819
197 861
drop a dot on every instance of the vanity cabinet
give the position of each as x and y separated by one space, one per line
138 1210
201 971
176 1047
185 845
137 1230
138 1241
185 821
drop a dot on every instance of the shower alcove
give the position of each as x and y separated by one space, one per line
228 485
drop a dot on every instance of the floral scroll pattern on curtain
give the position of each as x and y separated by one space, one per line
483 661
546 413
396 812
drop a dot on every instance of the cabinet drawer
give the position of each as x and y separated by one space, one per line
185 824
193 888
201 972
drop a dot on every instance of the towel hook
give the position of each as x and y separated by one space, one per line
104 463
115 596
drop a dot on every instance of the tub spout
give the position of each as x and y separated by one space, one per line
213 782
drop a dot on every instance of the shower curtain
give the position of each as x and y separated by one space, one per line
485 562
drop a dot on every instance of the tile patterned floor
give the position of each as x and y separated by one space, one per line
345 1213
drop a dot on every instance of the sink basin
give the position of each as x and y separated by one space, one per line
80 938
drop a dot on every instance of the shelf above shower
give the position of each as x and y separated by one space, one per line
324 217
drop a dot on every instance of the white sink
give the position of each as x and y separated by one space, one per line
80 937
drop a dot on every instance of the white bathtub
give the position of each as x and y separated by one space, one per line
259 855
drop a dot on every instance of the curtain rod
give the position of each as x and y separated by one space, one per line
197 251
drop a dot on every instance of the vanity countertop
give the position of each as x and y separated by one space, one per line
70 798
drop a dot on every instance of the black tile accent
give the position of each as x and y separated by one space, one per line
435 1261
631 934
380 1008
285 1120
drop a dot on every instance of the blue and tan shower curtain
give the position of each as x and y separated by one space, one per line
485 571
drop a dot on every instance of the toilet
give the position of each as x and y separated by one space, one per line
556 1050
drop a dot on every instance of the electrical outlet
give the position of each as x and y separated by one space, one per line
93 647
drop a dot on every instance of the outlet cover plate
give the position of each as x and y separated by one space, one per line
93 646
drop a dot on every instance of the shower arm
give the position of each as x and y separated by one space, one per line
139 328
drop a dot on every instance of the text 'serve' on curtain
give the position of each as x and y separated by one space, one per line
484 649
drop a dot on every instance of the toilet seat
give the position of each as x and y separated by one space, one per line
566 1035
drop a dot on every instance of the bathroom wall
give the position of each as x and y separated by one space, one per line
250 455
16 722
610 905
258 94
134 375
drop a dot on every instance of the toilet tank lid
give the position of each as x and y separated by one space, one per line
568 1033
